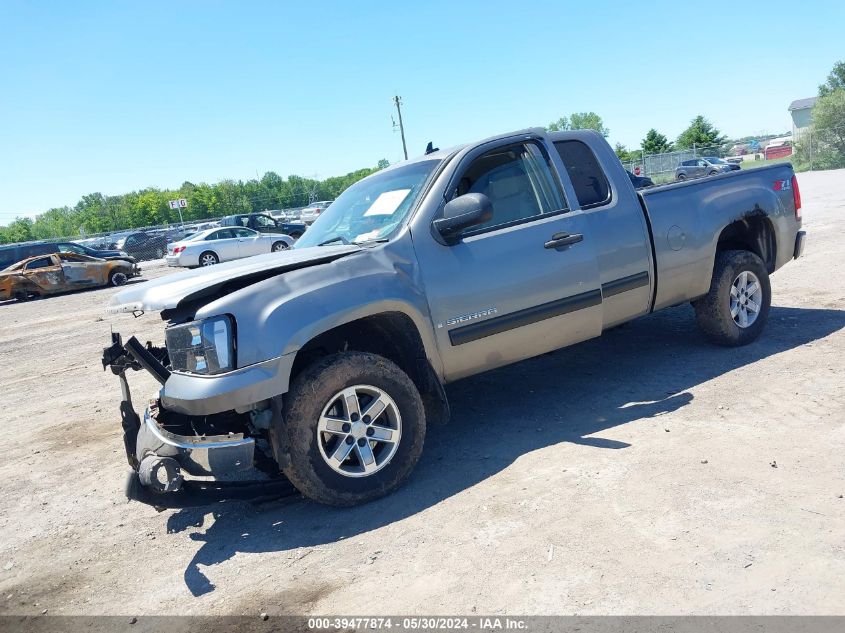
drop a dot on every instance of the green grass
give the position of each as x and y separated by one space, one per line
753 164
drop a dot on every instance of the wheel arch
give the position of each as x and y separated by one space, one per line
391 334
753 233
207 250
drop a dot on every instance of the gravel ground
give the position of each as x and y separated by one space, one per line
646 472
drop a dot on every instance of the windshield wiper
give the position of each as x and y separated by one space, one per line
373 242
336 238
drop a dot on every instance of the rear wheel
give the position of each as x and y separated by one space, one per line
713 173
735 309
353 429
681 177
209 259
279 246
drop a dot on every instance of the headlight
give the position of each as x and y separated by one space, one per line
202 347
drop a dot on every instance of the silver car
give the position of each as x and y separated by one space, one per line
706 166
310 213
213 246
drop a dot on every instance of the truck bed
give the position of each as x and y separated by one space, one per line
687 219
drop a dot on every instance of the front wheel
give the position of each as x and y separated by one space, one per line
735 309
681 177
352 431
117 278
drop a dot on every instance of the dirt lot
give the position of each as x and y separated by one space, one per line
643 473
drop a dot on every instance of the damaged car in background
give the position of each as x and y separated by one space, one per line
325 363
62 272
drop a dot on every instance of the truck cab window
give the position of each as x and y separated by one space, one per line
518 182
588 179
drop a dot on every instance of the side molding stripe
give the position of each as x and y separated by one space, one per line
496 325
618 286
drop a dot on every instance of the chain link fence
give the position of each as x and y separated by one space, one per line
820 148
815 148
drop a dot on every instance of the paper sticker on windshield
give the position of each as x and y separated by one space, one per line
387 203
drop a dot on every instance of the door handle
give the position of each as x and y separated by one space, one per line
563 239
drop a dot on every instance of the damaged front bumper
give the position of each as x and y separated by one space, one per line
163 446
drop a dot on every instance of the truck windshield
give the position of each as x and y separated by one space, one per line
371 209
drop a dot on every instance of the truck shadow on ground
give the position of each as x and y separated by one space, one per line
563 396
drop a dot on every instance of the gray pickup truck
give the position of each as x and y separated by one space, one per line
326 362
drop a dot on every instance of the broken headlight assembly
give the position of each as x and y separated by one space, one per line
204 347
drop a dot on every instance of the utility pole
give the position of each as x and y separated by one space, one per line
398 101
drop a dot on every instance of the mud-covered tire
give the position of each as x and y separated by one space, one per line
298 444
713 310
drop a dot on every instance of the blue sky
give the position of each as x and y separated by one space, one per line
116 96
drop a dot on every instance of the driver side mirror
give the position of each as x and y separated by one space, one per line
470 209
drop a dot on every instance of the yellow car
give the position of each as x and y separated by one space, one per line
62 272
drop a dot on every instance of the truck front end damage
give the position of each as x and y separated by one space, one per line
180 460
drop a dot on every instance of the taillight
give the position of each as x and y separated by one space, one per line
796 197
178 249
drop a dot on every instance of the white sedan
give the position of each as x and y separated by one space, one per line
213 246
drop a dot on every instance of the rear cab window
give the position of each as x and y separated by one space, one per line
588 179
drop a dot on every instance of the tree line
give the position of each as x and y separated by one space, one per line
99 213
822 148
700 133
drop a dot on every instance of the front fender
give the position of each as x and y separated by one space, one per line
278 316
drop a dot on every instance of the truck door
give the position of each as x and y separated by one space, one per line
525 282
264 224
618 225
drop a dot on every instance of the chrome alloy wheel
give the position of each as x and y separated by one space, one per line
208 260
746 298
359 431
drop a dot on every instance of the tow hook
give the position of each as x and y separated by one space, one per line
160 473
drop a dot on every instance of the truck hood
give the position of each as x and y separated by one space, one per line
190 287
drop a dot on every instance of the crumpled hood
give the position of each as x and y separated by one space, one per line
167 293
